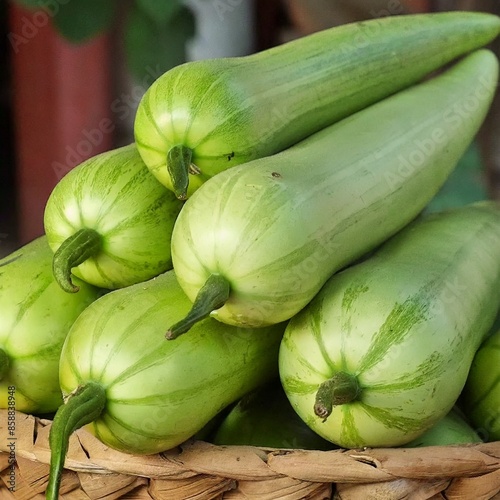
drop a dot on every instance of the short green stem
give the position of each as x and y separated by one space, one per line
179 167
4 363
76 249
82 407
212 295
341 389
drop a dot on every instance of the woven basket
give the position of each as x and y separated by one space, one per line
199 470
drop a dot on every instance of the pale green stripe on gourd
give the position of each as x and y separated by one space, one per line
389 419
41 282
148 353
219 113
277 228
349 430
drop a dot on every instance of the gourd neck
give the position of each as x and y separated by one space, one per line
82 406
341 389
73 251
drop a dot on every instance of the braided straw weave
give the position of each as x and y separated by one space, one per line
199 470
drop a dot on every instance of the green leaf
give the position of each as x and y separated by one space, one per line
80 20
160 12
154 47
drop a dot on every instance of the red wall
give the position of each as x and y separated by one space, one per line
61 109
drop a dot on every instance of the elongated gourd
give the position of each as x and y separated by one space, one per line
481 396
140 394
383 351
255 243
205 116
109 222
35 317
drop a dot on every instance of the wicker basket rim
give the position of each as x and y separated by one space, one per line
87 454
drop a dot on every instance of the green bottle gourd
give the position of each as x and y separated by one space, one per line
35 317
203 117
109 222
382 353
256 242
138 393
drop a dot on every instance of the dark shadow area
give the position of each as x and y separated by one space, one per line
8 222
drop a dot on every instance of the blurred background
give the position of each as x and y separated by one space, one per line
74 71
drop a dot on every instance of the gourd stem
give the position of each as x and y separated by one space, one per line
342 388
179 166
212 295
4 363
82 407
76 249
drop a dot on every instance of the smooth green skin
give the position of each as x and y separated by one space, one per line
160 393
452 429
265 418
277 228
406 323
35 317
116 195
481 395
230 111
